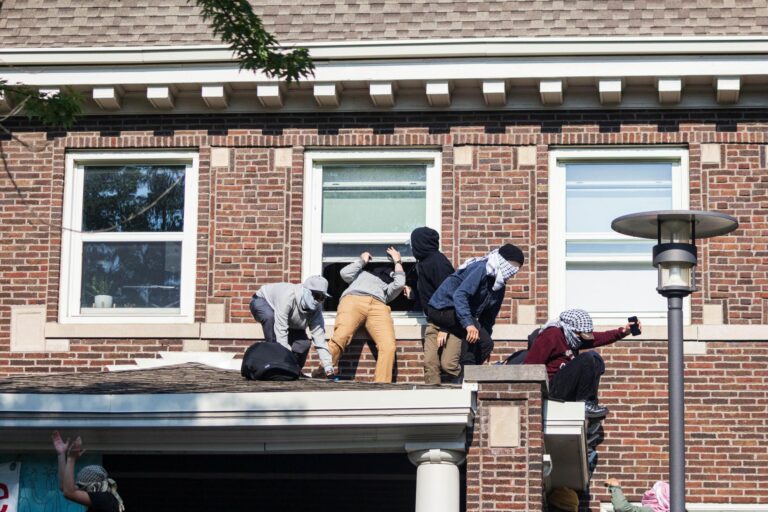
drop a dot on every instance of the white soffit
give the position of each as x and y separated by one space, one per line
670 90
610 90
161 97
270 95
551 92
215 95
495 92
728 89
108 98
438 93
382 93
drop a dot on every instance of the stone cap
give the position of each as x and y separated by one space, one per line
507 373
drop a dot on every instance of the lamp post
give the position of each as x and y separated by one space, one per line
676 232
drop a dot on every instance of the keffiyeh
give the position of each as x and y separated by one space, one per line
657 497
496 266
572 321
94 478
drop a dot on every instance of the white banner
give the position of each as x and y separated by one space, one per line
9 486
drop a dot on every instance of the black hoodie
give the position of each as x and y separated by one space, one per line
432 267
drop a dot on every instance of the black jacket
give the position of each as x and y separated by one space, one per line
432 267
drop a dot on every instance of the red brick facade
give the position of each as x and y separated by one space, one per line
250 233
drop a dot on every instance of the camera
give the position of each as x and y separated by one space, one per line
633 327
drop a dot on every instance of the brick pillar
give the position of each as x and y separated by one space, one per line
506 445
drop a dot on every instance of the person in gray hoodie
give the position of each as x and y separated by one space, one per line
286 310
371 287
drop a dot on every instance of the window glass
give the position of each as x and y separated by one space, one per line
133 274
597 193
373 198
133 198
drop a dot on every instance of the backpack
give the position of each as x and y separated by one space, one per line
519 356
269 361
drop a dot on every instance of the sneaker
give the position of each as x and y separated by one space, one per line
591 460
592 410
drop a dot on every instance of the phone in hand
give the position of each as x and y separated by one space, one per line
633 327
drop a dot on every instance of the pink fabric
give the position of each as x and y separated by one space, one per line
657 498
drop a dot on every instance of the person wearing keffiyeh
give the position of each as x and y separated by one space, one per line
573 376
655 499
468 301
92 487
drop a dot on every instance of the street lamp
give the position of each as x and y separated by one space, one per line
676 232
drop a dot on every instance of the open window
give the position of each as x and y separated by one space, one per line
128 251
591 266
358 201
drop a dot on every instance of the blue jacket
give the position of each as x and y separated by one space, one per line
470 292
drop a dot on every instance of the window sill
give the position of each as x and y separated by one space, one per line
403 331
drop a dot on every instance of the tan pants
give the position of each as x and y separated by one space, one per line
356 310
446 357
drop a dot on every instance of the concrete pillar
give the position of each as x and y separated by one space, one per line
437 479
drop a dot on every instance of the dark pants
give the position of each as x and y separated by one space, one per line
579 379
297 338
471 353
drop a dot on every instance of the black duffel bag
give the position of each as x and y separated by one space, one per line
269 361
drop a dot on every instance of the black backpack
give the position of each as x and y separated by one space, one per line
269 361
519 356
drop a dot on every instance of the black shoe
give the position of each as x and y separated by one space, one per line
592 410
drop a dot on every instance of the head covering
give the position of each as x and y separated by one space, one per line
424 241
572 321
317 284
94 478
564 499
512 253
381 270
657 497
496 266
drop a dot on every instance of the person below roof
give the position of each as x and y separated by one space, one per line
562 499
371 287
468 301
573 376
442 350
655 499
286 310
92 488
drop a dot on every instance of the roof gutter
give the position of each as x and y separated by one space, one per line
403 49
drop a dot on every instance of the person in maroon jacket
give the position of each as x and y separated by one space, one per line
573 376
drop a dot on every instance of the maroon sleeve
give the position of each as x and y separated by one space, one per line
541 349
606 338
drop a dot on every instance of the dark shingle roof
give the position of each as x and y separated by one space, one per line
69 23
183 378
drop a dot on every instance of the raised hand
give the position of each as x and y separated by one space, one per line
394 254
366 257
59 444
76 448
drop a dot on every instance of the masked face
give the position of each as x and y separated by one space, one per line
309 299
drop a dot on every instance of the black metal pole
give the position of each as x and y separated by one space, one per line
676 404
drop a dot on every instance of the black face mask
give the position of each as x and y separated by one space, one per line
381 270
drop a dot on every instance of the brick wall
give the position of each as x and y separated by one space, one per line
250 221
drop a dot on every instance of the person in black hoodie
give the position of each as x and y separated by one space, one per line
442 351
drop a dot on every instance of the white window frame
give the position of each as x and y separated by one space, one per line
73 239
313 238
557 210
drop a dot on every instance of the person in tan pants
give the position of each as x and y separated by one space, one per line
371 288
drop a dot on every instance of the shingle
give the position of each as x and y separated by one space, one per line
66 23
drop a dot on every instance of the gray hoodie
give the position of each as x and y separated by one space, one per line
284 298
365 283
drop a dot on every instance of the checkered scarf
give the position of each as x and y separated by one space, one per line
496 266
572 321
94 478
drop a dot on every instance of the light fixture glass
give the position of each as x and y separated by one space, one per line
675 232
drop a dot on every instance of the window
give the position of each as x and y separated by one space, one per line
591 266
128 252
365 201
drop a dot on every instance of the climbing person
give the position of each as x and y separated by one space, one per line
562 499
655 499
92 487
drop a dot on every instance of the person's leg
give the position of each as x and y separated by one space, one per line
577 380
300 343
382 330
431 359
264 314
350 315
450 358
